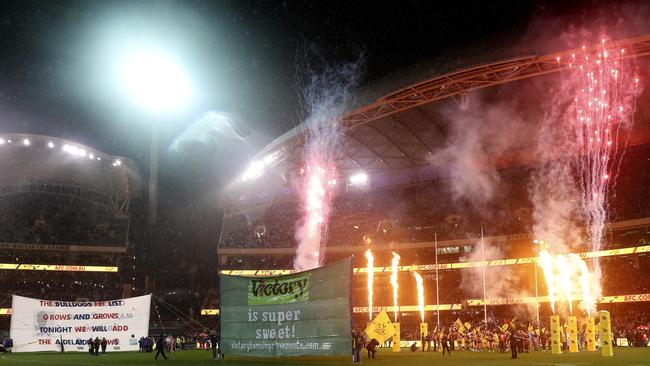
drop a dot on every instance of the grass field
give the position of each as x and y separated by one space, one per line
635 356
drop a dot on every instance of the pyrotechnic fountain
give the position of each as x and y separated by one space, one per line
424 327
394 266
371 275
324 96
600 93
318 183
559 270
393 281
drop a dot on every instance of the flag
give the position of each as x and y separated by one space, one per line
530 328
380 328
468 326
459 325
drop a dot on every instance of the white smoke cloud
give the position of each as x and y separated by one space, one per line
500 281
480 133
212 128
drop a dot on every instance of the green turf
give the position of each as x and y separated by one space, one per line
636 356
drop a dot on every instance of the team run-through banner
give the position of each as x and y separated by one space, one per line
42 325
305 313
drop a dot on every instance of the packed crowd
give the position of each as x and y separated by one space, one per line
629 327
45 218
59 285
405 213
357 217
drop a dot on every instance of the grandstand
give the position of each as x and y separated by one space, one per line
407 202
64 220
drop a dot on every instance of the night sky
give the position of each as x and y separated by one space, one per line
241 56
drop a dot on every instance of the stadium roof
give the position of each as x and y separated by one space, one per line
393 137
36 160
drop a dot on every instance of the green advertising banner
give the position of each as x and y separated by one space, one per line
306 313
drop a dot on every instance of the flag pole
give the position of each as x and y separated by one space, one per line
484 267
435 242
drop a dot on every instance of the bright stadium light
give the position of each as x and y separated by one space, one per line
257 167
2 141
155 81
50 144
358 179
26 142
254 170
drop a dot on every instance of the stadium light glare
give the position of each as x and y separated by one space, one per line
358 178
2 141
50 144
155 81
254 170
26 142
257 167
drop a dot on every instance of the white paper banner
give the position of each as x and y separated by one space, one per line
42 325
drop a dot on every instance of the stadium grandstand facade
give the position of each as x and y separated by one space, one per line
407 201
65 212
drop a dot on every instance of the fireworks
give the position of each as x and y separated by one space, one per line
394 263
371 274
599 93
603 95
420 286
318 183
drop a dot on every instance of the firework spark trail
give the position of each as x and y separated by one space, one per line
546 262
585 282
394 263
371 274
420 287
603 94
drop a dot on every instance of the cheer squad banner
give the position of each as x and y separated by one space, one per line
43 325
305 313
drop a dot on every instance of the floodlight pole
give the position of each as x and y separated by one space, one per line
153 175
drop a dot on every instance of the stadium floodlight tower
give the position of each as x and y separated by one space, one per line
158 83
